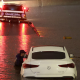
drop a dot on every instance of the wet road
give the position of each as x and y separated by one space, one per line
52 23
13 37
15 29
55 22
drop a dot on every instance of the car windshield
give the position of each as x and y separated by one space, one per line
12 7
48 55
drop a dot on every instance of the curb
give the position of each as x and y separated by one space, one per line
33 27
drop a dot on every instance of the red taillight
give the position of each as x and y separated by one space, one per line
71 65
24 8
0 7
29 66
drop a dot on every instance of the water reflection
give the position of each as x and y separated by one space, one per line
23 29
13 39
0 28
24 39
4 67
5 64
23 42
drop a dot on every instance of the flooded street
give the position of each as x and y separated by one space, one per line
52 23
13 37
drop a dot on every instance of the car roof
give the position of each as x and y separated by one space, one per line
48 48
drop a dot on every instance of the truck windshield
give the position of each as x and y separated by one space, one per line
12 7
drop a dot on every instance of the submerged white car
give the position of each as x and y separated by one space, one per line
49 62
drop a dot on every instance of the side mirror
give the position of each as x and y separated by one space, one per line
71 55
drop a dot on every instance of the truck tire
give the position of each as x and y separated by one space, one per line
18 21
9 21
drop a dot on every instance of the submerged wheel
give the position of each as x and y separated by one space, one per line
9 20
19 21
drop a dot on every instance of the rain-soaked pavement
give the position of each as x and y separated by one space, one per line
52 23
13 37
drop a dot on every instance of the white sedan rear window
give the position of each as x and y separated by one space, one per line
48 55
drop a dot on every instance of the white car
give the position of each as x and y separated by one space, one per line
49 62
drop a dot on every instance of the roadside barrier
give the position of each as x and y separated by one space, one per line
67 37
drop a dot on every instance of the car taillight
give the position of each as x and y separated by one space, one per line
24 8
71 65
29 66
0 7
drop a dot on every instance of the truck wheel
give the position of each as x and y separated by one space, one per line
19 21
9 20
